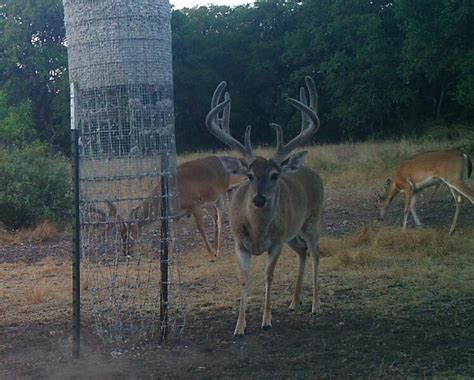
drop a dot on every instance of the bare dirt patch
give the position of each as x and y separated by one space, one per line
395 314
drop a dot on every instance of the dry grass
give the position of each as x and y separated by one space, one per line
360 164
370 260
39 292
379 271
42 232
354 165
36 294
375 245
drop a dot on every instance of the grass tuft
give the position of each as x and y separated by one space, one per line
374 246
35 295
42 232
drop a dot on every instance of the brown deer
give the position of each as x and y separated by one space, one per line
280 202
424 170
203 184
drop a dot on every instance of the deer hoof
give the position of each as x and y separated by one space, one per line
240 334
267 327
316 309
293 306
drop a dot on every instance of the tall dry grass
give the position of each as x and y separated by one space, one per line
355 165
42 232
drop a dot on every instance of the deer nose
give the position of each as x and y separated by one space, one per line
259 201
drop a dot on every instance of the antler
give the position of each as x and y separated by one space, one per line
219 127
309 121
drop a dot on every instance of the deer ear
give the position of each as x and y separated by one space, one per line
294 163
234 165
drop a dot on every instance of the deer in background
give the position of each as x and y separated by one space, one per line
424 170
279 203
203 184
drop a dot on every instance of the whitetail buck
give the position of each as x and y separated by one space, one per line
280 202
451 167
203 184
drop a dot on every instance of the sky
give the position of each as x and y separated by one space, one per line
191 3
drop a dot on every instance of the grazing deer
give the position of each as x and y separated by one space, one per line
427 169
280 202
203 184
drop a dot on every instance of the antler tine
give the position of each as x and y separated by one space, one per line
304 119
248 144
225 120
313 93
311 115
218 93
220 127
279 135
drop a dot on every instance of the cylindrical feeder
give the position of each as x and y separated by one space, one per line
120 69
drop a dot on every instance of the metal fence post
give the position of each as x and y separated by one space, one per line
76 242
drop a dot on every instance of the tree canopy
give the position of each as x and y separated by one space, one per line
381 68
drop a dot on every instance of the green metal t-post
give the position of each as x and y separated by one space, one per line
164 246
76 229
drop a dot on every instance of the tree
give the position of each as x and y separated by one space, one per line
353 46
438 52
33 64
16 124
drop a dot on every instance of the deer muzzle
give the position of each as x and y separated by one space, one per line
259 201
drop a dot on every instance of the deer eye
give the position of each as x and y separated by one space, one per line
250 177
274 176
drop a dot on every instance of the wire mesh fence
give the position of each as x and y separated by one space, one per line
120 67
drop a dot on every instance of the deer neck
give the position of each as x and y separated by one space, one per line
261 224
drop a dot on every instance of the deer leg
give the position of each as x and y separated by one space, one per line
220 206
313 245
272 259
458 201
212 211
245 271
408 198
199 217
462 189
413 210
391 193
299 246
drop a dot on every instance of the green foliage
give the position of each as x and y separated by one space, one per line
383 69
438 52
35 186
16 124
33 65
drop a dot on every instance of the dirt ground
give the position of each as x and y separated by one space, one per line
349 338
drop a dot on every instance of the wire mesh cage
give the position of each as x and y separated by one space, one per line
120 68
